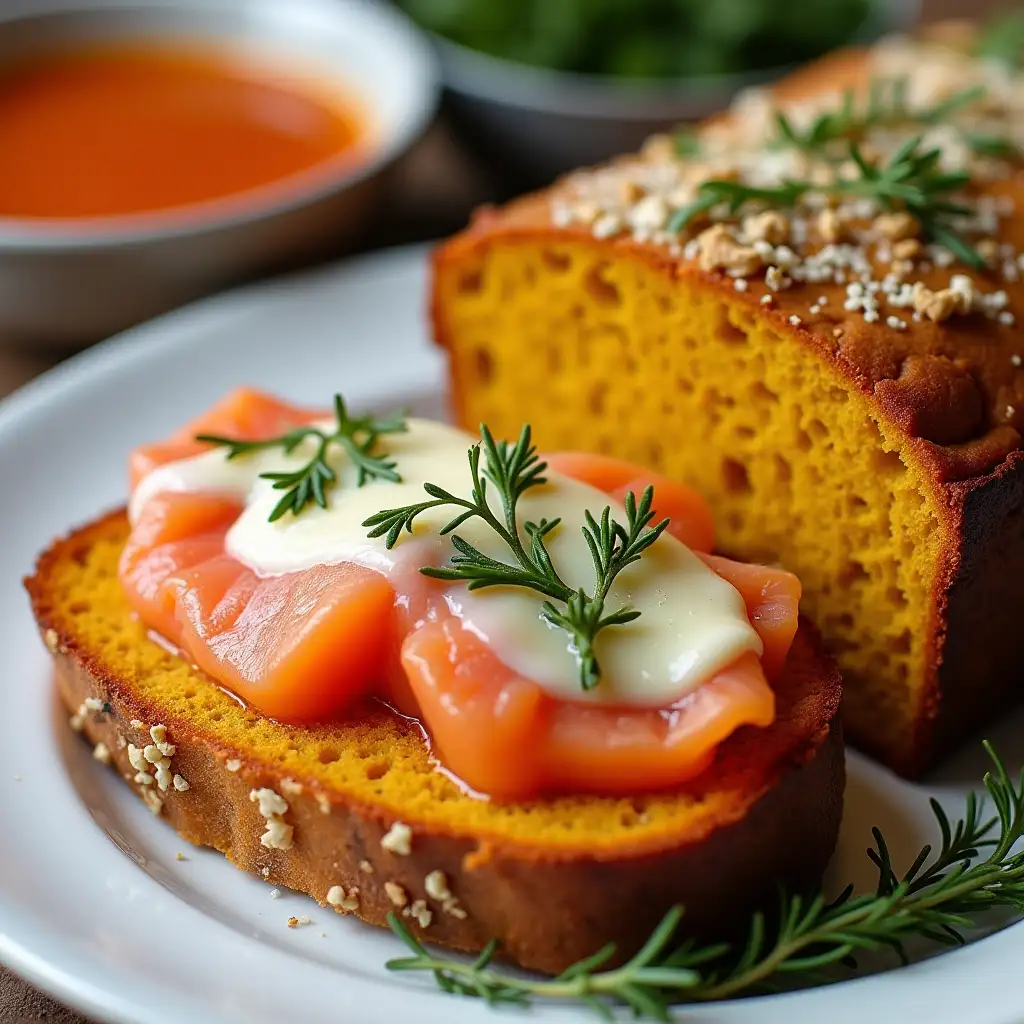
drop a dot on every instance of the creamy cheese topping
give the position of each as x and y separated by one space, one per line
692 622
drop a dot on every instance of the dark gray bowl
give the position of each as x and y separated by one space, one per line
534 123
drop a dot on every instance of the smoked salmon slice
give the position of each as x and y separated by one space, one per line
304 646
507 738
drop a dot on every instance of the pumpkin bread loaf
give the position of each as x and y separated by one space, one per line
836 363
357 815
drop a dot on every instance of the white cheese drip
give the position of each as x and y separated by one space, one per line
692 622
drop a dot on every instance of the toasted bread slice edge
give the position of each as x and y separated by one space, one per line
548 907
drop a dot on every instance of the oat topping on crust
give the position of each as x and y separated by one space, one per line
419 912
279 834
773 196
398 839
396 894
346 900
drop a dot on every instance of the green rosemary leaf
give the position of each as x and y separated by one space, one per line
992 145
512 470
309 484
1003 40
686 142
941 111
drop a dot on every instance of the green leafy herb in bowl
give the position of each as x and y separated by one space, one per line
539 87
645 38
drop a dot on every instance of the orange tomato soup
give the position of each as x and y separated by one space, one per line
99 133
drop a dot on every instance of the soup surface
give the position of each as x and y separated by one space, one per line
96 133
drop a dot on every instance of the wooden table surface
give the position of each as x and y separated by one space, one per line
430 197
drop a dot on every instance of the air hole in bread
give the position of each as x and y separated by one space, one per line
783 470
727 332
377 770
734 473
471 281
328 755
901 644
484 365
761 394
79 607
817 430
851 572
557 261
599 288
885 463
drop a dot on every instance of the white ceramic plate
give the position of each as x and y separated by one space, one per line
94 905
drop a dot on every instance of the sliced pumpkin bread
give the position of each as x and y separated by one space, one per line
851 409
358 815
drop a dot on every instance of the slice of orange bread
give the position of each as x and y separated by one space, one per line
358 816
846 391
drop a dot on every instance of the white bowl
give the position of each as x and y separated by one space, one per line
67 283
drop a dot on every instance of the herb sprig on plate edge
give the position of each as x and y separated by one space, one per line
357 436
935 898
512 470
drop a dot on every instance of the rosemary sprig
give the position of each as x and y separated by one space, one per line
512 470
911 180
357 436
935 898
886 107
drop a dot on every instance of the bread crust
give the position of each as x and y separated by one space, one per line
548 905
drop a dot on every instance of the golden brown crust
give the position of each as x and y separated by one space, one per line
784 828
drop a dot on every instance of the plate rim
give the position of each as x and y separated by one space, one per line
66 976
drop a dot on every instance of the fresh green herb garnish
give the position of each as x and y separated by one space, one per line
934 899
1003 40
309 484
512 470
911 180
686 142
886 107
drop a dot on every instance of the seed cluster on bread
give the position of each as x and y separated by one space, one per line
357 815
810 311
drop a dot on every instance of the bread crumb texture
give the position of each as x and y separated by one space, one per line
608 354
376 759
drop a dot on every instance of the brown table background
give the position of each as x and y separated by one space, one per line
430 196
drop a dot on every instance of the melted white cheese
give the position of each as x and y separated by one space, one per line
692 623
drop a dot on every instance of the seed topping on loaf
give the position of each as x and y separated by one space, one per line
882 185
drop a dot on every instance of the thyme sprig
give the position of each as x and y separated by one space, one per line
309 484
936 898
512 470
910 180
